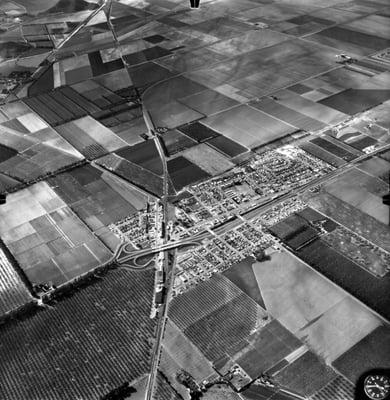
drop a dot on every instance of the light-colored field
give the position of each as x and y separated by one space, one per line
100 133
315 310
46 238
248 126
208 159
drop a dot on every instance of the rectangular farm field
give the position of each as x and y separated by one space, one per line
183 172
198 132
334 149
227 146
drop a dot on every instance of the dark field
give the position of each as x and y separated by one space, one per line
144 154
363 142
338 151
322 154
227 146
198 132
370 290
242 275
61 105
183 172
7 183
295 231
258 392
353 101
371 352
44 82
174 141
306 375
6 153
69 354
312 216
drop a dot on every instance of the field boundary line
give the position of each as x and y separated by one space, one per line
337 286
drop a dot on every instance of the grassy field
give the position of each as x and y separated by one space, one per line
46 238
208 159
68 351
311 307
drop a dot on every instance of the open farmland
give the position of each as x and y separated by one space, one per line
13 292
343 272
311 307
322 154
47 239
98 199
362 191
357 221
248 126
306 375
133 173
338 388
198 131
211 317
365 254
185 354
370 352
268 347
183 172
210 160
242 275
69 355
29 148
377 167
91 138
144 154
164 391
175 141
334 149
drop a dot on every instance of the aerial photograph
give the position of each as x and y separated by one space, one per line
194 199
